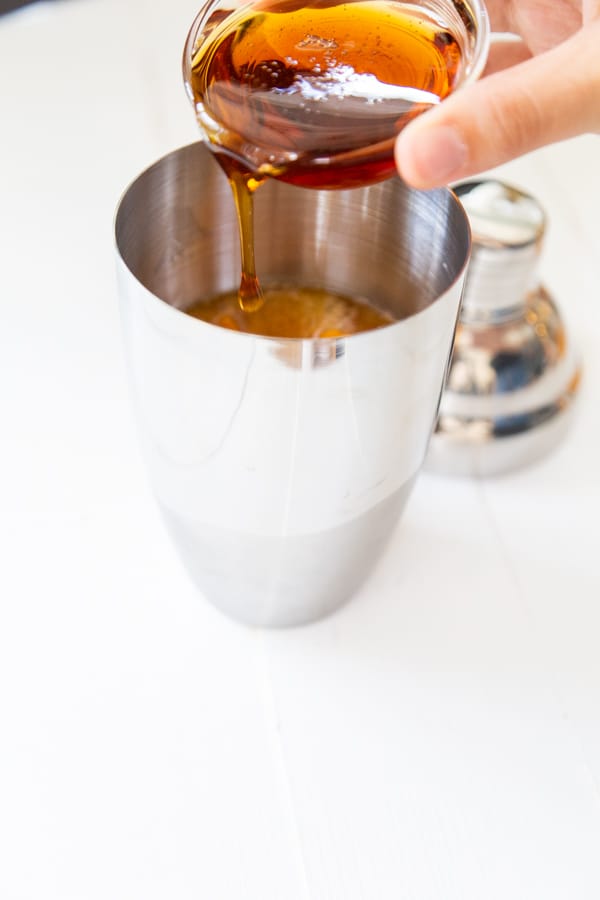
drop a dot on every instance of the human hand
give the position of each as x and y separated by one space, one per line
541 89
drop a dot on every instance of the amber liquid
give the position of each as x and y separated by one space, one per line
313 95
292 312
299 91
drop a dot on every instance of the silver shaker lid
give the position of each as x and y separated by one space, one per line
513 375
508 227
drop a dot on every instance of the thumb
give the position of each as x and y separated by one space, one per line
548 98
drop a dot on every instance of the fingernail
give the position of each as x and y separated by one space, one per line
431 156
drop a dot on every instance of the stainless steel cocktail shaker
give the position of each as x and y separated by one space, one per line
282 465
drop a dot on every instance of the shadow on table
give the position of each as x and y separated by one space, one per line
11 5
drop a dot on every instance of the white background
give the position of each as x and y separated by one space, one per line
438 739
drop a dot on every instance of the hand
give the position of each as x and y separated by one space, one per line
541 89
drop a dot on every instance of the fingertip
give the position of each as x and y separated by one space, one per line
429 155
405 161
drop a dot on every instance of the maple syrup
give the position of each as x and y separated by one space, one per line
293 312
313 95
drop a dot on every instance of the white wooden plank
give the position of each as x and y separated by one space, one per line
427 750
554 540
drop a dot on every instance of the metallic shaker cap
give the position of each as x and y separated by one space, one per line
508 227
513 374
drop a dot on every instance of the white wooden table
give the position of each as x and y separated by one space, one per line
438 739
